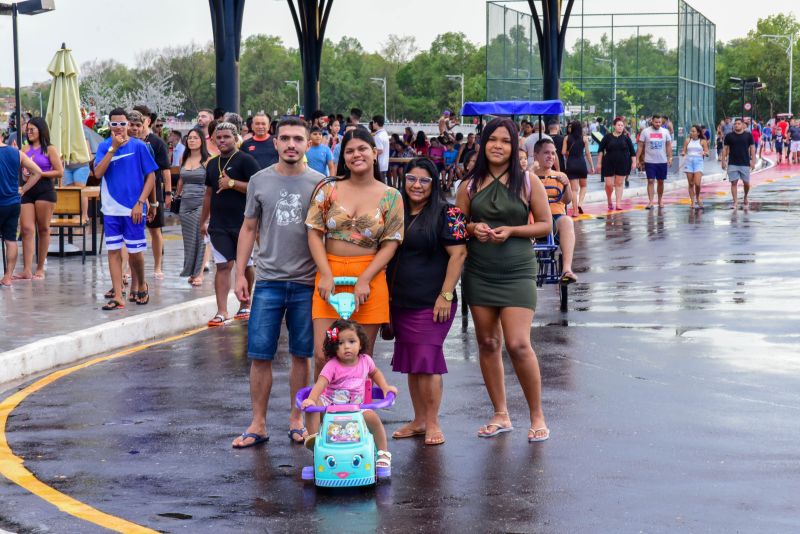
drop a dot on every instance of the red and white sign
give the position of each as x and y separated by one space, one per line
748 106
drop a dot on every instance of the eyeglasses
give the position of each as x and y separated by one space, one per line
115 124
421 180
158 126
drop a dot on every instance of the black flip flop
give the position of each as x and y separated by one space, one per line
143 297
299 432
110 294
113 305
258 440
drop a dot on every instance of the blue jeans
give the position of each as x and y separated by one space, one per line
270 303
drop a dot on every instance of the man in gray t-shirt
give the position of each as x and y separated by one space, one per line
655 143
277 203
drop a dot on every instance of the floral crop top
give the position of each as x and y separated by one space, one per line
327 215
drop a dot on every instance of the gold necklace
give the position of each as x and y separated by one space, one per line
220 167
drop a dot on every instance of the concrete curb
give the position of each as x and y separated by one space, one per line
68 348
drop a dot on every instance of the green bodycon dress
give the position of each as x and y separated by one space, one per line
499 275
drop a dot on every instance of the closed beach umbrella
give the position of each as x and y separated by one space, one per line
64 109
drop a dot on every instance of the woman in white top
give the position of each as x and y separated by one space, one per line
695 148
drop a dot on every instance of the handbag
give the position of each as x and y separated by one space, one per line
387 329
175 207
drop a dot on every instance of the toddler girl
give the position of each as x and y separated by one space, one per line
342 381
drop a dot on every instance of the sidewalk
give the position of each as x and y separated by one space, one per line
58 320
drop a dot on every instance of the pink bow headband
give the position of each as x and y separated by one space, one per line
333 334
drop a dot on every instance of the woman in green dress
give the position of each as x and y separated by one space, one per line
499 277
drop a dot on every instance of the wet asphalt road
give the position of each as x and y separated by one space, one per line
672 389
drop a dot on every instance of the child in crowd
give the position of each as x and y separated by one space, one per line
436 153
450 155
343 379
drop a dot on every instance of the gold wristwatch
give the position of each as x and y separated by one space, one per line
231 183
447 295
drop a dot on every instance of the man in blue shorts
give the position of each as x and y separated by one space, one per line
128 173
656 143
276 209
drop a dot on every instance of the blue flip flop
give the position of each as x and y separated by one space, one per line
299 432
258 440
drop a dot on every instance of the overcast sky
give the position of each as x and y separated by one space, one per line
119 29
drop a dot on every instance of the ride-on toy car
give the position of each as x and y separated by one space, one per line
548 257
344 451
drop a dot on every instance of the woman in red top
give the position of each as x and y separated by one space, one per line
421 144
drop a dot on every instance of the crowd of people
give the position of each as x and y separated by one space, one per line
284 208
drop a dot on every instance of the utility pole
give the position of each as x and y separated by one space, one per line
382 81
296 83
789 51
459 77
613 62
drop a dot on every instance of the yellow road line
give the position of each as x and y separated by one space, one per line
12 466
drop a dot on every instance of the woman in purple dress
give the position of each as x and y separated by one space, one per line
422 283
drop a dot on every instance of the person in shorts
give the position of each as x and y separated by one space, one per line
655 142
227 176
161 196
127 171
739 158
275 213
11 161
557 184
793 135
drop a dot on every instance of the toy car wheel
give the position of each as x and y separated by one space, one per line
308 472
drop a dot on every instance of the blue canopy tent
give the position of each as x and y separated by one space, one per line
513 108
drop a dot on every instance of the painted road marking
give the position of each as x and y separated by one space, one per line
12 466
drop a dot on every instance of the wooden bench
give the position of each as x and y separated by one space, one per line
68 215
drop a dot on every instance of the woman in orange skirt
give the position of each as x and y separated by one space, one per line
355 226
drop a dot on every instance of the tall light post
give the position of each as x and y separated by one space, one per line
26 7
613 62
789 51
459 77
382 81
296 84
41 113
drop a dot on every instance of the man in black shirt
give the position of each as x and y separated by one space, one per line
554 131
161 196
227 176
261 146
739 157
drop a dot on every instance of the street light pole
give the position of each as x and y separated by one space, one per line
41 113
25 7
382 81
790 51
459 77
296 84
17 103
613 62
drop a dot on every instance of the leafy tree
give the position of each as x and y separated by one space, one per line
756 55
